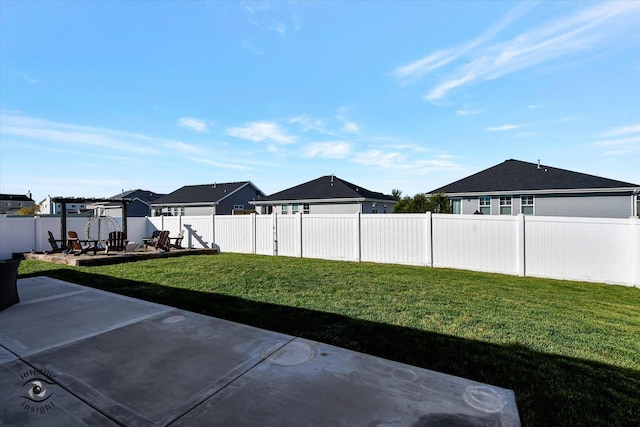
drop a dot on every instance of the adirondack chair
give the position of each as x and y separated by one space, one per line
117 241
54 243
79 247
178 240
154 236
161 243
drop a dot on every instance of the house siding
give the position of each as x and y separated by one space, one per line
240 197
587 205
604 206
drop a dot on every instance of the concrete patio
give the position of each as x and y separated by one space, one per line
72 355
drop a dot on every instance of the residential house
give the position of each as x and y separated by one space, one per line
10 204
139 204
515 187
49 207
220 199
325 195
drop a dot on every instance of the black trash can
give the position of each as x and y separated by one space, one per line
9 283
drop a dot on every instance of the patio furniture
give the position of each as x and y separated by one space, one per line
9 283
178 241
149 240
79 247
117 241
54 243
160 244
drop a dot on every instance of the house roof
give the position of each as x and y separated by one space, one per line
327 187
204 194
515 175
16 197
143 195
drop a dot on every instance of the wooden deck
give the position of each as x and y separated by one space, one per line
101 258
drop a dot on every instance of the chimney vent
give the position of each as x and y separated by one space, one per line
538 163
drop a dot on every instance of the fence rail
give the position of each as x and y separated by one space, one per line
588 249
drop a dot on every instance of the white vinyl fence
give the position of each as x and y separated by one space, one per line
588 249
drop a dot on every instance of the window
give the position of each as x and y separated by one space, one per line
374 208
526 203
295 208
238 207
505 205
456 206
285 209
485 205
267 209
305 208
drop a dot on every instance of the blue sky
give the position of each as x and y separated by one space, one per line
96 97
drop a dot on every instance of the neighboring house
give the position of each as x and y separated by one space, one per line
49 207
10 204
220 199
139 204
514 187
326 195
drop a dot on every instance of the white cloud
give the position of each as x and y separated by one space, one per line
625 130
590 27
307 123
194 124
261 131
30 79
79 136
467 112
622 140
223 165
503 128
403 163
350 127
329 150
414 70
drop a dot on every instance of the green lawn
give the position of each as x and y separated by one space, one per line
569 350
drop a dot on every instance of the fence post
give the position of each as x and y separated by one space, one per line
635 251
428 239
358 237
253 233
274 240
520 246
37 227
300 232
213 230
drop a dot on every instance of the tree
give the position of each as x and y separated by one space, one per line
29 211
439 203
420 203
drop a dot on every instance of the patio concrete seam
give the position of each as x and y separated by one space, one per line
234 379
52 297
103 331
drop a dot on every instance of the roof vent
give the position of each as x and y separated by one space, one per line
332 180
538 163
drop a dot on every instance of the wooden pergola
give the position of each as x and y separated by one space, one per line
82 200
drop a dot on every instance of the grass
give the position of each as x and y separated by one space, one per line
569 350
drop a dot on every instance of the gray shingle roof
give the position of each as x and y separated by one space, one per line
144 195
516 175
16 197
326 187
206 193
